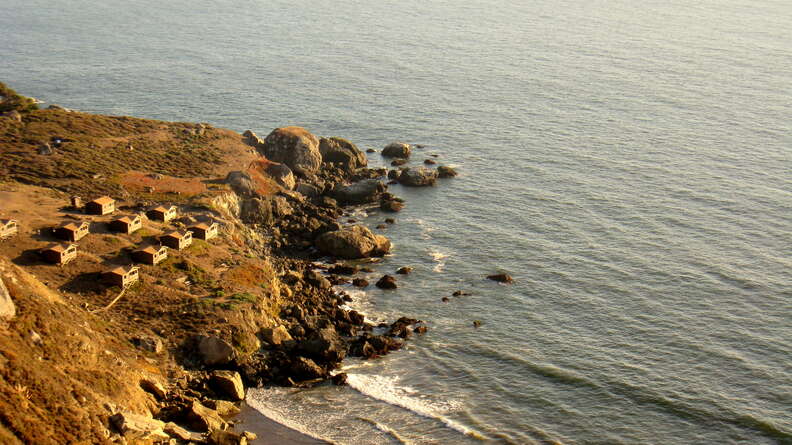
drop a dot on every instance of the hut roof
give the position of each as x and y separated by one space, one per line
71 225
103 200
162 209
129 219
177 234
203 226
121 270
58 247
152 249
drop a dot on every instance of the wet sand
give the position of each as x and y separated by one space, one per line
270 432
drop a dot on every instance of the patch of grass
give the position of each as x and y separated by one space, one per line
244 297
10 100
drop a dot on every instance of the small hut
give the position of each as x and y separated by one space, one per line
122 276
205 231
8 227
127 224
72 231
177 239
59 253
162 213
100 206
76 202
150 254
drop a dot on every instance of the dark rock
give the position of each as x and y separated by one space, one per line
342 153
340 379
241 183
353 242
308 190
370 150
295 147
228 384
304 369
214 351
45 149
398 162
418 177
476 323
405 270
317 279
458 293
381 226
501 278
446 172
328 202
391 205
430 161
325 345
360 282
283 175
365 191
394 174
420 329
396 150
444 299
153 387
390 221
387 282
343 269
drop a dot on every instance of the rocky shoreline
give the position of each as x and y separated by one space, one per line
195 348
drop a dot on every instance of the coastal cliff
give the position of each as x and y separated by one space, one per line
166 357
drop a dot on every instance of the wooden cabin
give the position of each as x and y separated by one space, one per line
162 213
126 224
100 206
72 230
122 276
8 227
150 254
59 253
205 231
177 239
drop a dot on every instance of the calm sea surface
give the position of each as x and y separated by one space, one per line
629 163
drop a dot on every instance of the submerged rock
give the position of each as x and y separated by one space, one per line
446 172
387 282
396 150
418 177
501 278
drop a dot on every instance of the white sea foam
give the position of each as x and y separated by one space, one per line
439 258
257 399
389 390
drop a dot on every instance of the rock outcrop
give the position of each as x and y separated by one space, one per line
342 153
353 242
418 177
295 147
361 192
396 150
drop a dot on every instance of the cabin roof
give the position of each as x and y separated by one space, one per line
57 247
129 219
121 270
152 249
162 209
103 200
203 226
176 234
71 225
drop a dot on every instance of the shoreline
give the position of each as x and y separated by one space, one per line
269 431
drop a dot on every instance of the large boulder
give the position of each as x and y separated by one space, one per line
252 139
342 153
139 429
295 147
275 336
396 150
201 418
361 192
418 177
324 345
241 183
214 351
282 174
304 369
353 242
228 384
446 172
265 210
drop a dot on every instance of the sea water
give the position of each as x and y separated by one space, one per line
628 163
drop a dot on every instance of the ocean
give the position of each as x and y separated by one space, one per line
628 163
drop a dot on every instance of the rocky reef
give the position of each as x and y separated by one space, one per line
168 358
